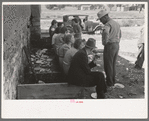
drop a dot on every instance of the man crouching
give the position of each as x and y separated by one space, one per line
80 71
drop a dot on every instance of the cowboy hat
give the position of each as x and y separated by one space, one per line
102 13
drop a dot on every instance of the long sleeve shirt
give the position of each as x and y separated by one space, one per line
67 59
77 28
62 50
111 32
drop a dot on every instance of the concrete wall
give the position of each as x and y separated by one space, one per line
17 30
16 35
35 21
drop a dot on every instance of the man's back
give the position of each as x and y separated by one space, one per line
68 58
114 31
77 28
79 67
59 39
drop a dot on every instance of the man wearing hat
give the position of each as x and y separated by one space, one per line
110 39
80 71
52 30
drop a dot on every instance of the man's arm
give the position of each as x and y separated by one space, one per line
92 64
84 64
51 31
105 34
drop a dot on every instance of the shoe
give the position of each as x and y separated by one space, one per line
101 96
117 85
137 67
94 95
109 88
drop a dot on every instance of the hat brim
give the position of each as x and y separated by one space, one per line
90 46
102 15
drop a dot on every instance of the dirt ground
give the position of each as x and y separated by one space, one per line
127 75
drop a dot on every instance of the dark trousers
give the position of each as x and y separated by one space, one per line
93 79
140 57
96 79
50 42
109 56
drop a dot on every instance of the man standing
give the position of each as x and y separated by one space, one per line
110 39
76 26
52 30
80 71
140 57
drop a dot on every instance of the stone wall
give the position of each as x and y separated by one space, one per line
16 34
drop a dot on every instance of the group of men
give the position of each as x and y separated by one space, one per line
73 54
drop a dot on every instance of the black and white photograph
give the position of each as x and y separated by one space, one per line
74 55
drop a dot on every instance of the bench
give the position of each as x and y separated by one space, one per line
51 91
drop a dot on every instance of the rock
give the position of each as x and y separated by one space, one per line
117 85
40 52
42 70
32 59
44 56
132 93
121 97
44 50
94 95
40 82
37 53
33 56
39 61
37 68
49 59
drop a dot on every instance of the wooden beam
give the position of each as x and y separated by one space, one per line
48 91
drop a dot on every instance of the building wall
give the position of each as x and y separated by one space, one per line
16 34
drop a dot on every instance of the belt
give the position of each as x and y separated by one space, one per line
109 43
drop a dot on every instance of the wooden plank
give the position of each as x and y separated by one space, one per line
48 91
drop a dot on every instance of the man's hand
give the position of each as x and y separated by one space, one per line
96 50
96 61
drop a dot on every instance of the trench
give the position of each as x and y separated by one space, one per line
43 65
